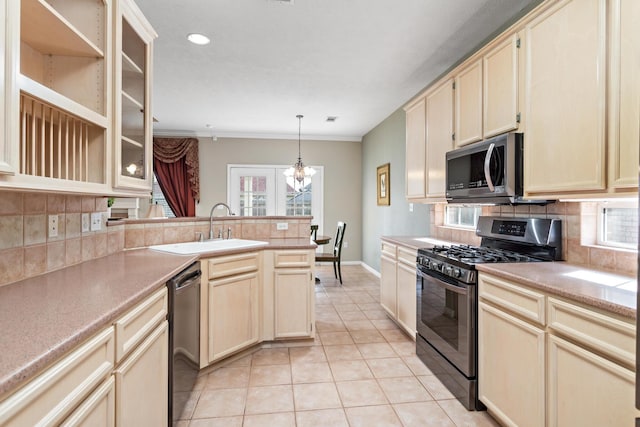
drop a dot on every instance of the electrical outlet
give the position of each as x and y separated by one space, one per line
96 221
53 225
345 244
282 226
410 207
85 222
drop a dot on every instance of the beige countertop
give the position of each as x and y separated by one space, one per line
44 317
604 290
415 242
599 289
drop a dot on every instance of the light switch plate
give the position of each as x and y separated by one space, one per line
85 222
53 225
282 226
96 221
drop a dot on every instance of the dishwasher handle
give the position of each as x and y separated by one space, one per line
187 281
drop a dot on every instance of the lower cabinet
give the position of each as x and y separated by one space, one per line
142 387
233 314
97 385
293 300
288 306
98 410
511 367
547 361
398 285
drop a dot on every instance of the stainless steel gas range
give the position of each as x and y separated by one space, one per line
447 314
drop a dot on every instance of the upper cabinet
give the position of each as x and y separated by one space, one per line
500 87
624 94
439 137
415 149
468 115
6 163
429 136
583 92
133 149
58 86
57 97
565 92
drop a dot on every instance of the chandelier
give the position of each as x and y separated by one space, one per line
299 171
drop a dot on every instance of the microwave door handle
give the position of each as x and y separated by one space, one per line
487 164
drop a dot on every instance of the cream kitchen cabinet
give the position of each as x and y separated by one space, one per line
511 352
142 363
416 170
142 385
62 84
232 305
439 137
293 294
624 93
501 81
468 104
565 99
398 285
52 397
98 410
388 286
547 361
133 165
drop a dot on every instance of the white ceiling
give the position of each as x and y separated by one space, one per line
270 60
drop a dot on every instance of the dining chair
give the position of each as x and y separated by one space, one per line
337 252
314 231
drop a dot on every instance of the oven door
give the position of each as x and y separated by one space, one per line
446 319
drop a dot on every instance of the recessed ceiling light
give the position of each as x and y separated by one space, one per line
332 119
197 38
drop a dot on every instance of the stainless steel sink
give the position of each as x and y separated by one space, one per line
216 245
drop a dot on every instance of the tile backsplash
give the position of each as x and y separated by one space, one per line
26 249
577 233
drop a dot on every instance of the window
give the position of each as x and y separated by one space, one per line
258 190
158 197
461 216
618 225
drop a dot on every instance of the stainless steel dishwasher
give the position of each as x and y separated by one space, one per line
184 337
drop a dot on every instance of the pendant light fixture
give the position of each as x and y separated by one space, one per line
299 171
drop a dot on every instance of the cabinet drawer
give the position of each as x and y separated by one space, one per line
233 264
292 258
389 249
602 333
134 326
407 256
50 397
521 301
98 410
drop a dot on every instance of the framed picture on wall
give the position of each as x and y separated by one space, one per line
384 185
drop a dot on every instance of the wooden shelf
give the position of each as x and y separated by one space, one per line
128 66
60 102
132 142
128 99
44 29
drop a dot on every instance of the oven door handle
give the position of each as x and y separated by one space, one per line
487 165
457 289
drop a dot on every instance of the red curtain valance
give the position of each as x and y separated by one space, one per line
171 150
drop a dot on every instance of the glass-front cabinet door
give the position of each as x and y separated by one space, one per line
133 165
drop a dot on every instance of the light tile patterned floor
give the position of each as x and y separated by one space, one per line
361 370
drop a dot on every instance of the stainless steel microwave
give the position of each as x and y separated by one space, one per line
488 171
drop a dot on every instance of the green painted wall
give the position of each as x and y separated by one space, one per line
386 144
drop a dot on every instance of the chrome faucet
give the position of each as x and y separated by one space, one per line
211 217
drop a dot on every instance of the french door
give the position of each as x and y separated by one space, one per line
259 190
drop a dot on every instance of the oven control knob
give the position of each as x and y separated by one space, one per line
435 266
448 270
457 273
